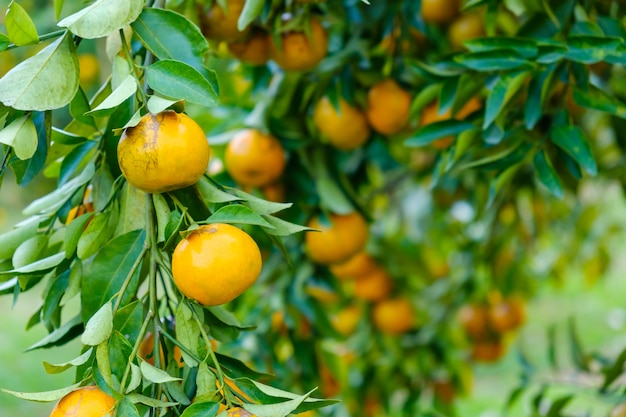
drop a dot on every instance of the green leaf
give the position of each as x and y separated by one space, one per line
238 213
211 194
434 131
524 47
491 61
20 27
501 93
599 100
99 327
177 80
251 10
4 42
187 333
169 35
61 367
132 210
205 409
58 8
156 375
45 81
282 409
9 241
42 265
102 18
58 197
591 49
21 135
128 320
29 251
162 212
572 140
259 205
281 227
332 196
74 232
157 104
61 335
109 269
546 174
126 408
43 397
558 405
126 89
206 383
135 378
151 402
96 233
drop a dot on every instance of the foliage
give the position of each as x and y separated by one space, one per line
459 205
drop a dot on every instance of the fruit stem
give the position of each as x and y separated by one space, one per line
129 277
211 353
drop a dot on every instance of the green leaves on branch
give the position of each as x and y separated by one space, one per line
177 80
102 18
21 135
20 27
46 81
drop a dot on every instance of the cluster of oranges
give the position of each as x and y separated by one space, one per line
487 324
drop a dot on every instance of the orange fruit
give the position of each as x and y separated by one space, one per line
347 319
388 107
329 384
373 286
219 24
507 315
215 264
321 294
84 402
474 319
430 114
466 27
253 50
298 52
339 238
164 152
439 11
239 412
254 159
487 351
444 391
394 316
89 68
360 264
345 128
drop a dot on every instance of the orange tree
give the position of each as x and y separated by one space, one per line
370 210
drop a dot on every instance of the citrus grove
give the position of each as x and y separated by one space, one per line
306 207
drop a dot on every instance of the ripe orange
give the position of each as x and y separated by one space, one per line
474 319
439 11
444 391
466 27
507 315
85 402
346 320
254 159
339 239
394 316
360 264
430 114
215 264
388 107
345 129
373 286
219 24
89 68
298 52
487 351
253 50
164 152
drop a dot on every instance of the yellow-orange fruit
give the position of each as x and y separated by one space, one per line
254 50
345 128
394 316
360 264
487 351
85 402
346 320
254 159
439 11
164 152
466 27
373 286
298 52
339 238
430 114
388 107
474 319
219 24
215 264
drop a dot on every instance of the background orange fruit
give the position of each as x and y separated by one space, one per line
345 128
339 239
84 402
254 159
388 107
298 52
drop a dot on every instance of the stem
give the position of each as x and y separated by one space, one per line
129 277
42 38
